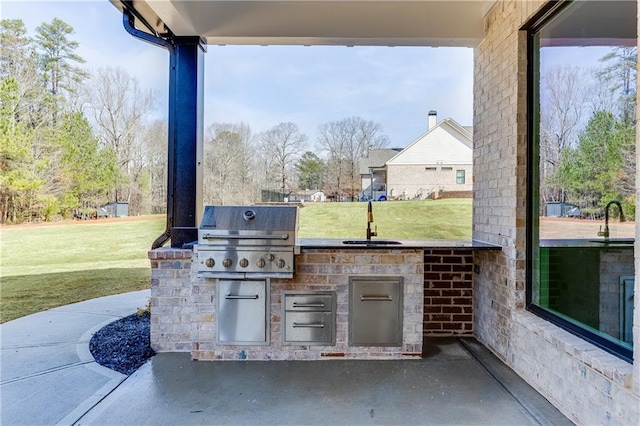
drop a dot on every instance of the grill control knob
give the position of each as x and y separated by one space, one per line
261 263
210 263
244 263
280 263
226 263
271 257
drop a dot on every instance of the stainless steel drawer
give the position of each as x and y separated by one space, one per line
309 328
309 318
375 311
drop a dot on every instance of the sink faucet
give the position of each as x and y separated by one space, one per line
605 233
370 233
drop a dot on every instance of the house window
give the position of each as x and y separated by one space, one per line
460 176
446 169
431 169
581 147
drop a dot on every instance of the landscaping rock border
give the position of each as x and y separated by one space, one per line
123 345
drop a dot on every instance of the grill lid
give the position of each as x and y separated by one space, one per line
250 218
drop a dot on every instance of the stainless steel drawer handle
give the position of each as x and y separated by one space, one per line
310 325
308 305
376 298
241 296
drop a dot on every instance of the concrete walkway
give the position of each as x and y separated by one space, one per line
47 374
49 377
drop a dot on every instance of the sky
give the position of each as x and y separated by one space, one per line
267 85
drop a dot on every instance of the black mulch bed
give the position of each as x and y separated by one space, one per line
123 345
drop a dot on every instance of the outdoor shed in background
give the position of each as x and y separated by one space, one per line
559 209
114 210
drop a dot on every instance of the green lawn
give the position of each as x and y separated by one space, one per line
43 267
425 219
47 266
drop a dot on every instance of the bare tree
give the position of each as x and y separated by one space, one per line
619 77
348 141
228 164
283 145
601 98
156 141
563 100
120 108
332 140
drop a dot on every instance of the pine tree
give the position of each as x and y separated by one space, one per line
57 57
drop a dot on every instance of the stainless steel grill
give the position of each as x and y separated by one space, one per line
238 242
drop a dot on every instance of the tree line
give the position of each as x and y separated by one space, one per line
588 134
72 140
239 167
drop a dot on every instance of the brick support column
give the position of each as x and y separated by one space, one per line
448 292
171 292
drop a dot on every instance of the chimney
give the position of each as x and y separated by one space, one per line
433 119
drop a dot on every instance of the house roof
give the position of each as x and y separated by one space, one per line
446 143
377 158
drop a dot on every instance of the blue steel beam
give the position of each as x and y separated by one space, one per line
186 63
185 130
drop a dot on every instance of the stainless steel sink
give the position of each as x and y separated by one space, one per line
615 241
371 242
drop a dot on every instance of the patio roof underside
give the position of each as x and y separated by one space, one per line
301 22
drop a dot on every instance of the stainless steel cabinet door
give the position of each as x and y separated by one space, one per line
242 312
375 311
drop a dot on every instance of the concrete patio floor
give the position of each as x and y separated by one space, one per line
458 381
449 386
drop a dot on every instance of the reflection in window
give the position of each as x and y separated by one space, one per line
584 62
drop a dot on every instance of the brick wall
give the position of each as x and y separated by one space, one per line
183 306
448 292
587 384
415 179
171 292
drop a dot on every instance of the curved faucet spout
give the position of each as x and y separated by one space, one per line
606 210
605 233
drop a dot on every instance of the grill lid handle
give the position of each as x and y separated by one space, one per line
246 237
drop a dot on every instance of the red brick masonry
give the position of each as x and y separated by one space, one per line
448 292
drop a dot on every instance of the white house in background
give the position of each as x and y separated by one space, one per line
441 160
313 195
318 196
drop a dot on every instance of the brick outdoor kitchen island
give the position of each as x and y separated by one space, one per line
433 281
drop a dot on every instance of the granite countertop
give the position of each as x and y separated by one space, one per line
597 242
334 243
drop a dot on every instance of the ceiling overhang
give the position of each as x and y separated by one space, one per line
317 22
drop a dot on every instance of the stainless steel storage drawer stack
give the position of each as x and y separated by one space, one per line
309 318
